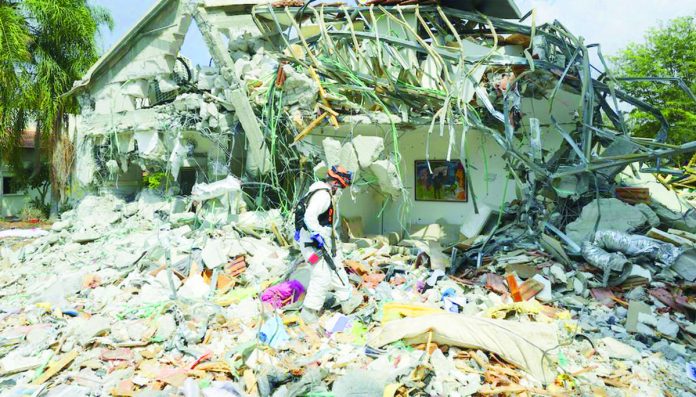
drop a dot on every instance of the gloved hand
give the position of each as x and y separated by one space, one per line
297 236
317 238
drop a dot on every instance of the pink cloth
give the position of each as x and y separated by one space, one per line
278 294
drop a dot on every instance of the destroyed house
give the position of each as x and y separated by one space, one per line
454 113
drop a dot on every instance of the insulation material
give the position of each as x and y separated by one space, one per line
607 261
610 249
519 343
147 141
635 245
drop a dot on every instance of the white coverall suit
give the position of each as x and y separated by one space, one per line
323 278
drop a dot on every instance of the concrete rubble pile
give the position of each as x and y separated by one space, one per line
118 299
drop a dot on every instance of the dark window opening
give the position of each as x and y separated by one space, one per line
187 178
9 186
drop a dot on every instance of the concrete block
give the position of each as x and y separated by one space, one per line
394 238
368 148
667 327
612 348
348 158
634 309
332 151
320 170
388 177
137 88
685 266
214 254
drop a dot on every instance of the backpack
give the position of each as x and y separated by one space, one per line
301 208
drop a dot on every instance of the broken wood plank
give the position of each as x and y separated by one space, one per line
310 127
322 94
56 367
658 234
633 195
327 109
530 288
278 235
683 234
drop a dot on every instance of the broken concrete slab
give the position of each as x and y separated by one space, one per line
685 265
85 236
546 294
477 222
348 158
614 349
667 327
16 363
635 308
368 149
299 88
613 214
388 177
214 253
332 151
87 329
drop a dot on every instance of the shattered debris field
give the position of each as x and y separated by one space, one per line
503 233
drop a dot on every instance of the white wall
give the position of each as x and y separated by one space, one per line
488 179
12 204
486 172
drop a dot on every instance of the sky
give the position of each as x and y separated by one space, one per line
611 23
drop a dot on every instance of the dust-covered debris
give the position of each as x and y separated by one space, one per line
504 232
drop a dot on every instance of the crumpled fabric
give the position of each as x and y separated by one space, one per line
610 249
283 294
523 344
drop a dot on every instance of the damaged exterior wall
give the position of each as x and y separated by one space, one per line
129 123
139 114
516 104
556 277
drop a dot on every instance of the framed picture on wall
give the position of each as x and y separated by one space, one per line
446 182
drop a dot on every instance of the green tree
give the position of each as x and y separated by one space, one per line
45 45
668 51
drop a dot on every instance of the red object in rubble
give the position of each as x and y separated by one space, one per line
514 289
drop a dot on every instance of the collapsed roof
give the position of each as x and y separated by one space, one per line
284 72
